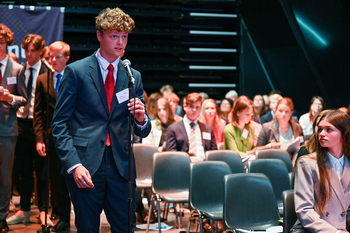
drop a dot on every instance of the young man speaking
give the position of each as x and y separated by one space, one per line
90 126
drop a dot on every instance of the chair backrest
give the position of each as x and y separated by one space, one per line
289 215
232 158
144 160
276 171
276 154
249 202
171 171
207 184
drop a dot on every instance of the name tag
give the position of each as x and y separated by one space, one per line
123 95
11 80
245 133
206 136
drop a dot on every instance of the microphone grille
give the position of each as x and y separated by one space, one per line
126 62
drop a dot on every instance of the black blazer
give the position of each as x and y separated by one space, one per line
177 139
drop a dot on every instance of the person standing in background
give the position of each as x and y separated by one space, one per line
59 53
27 158
12 96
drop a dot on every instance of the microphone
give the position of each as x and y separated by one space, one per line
126 64
47 65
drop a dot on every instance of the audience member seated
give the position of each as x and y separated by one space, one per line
232 95
316 106
166 89
151 104
239 135
283 128
345 109
189 135
210 115
225 109
45 53
160 124
259 107
321 191
173 100
273 99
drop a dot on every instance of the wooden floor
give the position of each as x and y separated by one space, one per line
34 226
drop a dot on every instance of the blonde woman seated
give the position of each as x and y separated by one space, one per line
210 115
239 135
163 119
283 128
321 193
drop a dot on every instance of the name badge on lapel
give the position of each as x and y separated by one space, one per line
123 95
11 80
206 136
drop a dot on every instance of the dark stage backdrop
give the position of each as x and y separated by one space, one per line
24 20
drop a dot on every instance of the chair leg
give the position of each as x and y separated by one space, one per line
153 198
158 210
180 213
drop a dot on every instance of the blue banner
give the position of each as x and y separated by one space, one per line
24 20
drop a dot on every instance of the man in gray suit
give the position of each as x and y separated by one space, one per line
12 95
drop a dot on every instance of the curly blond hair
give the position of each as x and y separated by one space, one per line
114 19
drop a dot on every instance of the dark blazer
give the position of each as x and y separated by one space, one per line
177 139
82 120
41 106
8 118
22 75
269 132
266 117
307 180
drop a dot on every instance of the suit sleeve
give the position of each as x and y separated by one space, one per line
230 140
304 198
263 137
170 139
39 116
65 106
141 131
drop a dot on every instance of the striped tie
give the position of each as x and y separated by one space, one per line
192 149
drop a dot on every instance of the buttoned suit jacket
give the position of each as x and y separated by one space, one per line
82 120
40 106
8 118
307 181
177 139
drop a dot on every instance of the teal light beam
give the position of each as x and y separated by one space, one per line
311 31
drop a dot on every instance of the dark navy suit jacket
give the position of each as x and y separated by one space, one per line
82 120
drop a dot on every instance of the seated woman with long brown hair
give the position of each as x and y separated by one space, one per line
321 191
239 134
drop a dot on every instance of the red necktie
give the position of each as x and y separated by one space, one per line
0 74
109 86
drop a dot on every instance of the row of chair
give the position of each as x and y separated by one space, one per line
175 179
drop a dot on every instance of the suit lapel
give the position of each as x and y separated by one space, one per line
184 133
335 183
52 90
120 84
94 69
345 178
8 72
202 129
275 132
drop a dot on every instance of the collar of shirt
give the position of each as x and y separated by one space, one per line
4 63
35 66
103 63
188 121
334 159
56 73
